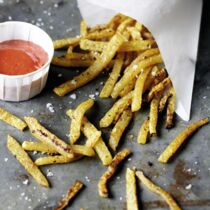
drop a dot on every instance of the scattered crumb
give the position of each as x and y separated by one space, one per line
188 187
73 96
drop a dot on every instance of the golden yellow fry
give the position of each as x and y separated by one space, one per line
76 119
171 109
128 88
155 77
164 100
56 159
131 197
102 184
160 87
180 139
118 107
12 120
119 128
66 62
143 55
38 146
136 69
45 136
124 24
153 116
99 46
98 27
83 28
113 77
71 193
138 90
79 56
158 190
15 148
97 35
98 144
94 70
135 33
143 132
83 150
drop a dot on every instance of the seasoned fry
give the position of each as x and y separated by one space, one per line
76 119
45 136
113 77
79 56
131 197
98 46
128 88
158 190
153 115
94 70
180 139
71 193
143 132
119 128
123 25
164 99
136 69
12 120
138 90
116 20
83 150
56 159
15 148
160 87
102 184
118 107
97 35
66 62
83 28
38 146
171 108
135 34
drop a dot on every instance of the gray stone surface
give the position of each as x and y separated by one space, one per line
191 167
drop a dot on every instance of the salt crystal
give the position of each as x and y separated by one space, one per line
55 5
22 194
5 159
92 96
188 187
204 97
73 82
60 75
9 18
73 96
49 173
49 13
50 107
121 198
10 187
29 207
1 1
189 169
153 73
135 66
51 27
41 2
97 93
129 159
39 19
118 177
196 163
25 182
32 111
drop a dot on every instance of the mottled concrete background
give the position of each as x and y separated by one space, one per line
186 177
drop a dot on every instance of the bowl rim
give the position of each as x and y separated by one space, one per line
49 52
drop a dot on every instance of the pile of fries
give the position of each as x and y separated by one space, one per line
137 78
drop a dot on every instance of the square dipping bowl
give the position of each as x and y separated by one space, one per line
23 87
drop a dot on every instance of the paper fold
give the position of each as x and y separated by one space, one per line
175 25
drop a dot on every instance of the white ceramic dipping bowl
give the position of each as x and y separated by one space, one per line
24 87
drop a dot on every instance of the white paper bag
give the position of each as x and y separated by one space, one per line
175 25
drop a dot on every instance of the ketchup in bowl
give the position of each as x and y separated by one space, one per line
19 57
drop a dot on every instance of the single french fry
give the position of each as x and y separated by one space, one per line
138 90
12 120
66 62
129 75
83 28
143 132
160 87
153 116
164 99
124 24
113 77
39 147
180 139
131 197
171 109
99 46
118 107
97 35
56 159
97 142
76 119
15 148
158 190
119 128
45 136
71 193
83 150
102 184
128 88
94 70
